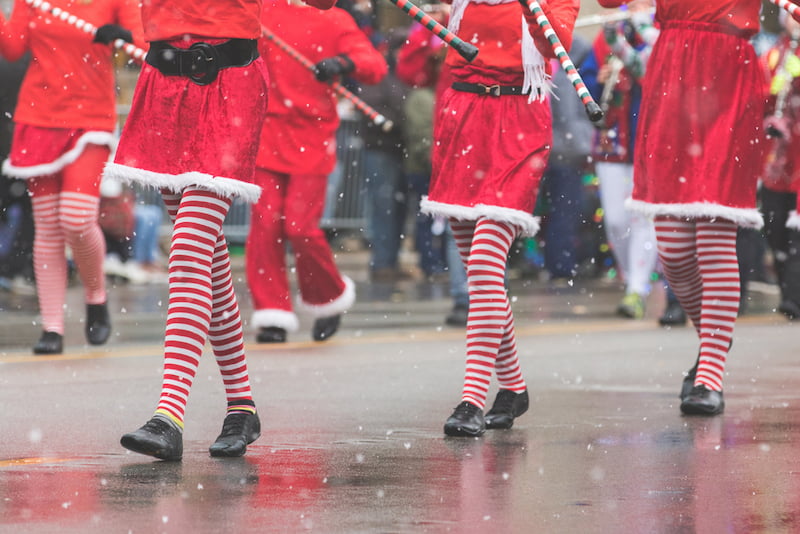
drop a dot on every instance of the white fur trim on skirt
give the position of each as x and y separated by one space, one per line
68 157
275 318
527 223
744 217
226 187
340 304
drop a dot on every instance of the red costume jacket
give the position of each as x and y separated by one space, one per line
299 133
70 80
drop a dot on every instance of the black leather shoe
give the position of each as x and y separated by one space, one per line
467 421
158 438
703 401
238 430
49 343
98 323
789 309
325 327
457 316
507 405
271 334
673 315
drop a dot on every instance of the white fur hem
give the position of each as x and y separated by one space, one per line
748 218
338 305
276 318
793 221
68 157
528 224
226 187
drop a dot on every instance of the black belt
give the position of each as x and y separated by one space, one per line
201 62
490 90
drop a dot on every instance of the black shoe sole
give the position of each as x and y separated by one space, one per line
235 453
132 444
459 432
688 408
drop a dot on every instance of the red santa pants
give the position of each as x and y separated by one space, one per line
289 209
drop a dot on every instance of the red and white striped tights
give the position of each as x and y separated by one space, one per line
701 266
202 304
65 212
491 346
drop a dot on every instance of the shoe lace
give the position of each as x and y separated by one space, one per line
504 403
234 424
157 426
465 408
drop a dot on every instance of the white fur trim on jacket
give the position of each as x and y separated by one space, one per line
338 305
793 221
275 318
745 217
226 187
528 224
43 169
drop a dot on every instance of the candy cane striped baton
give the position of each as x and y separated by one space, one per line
132 50
793 9
360 105
466 50
592 109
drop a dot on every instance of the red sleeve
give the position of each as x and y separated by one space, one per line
129 16
321 4
14 32
562 15
370 66
612 3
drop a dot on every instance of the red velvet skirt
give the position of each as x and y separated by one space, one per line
700 139
489 156
39 151
180 134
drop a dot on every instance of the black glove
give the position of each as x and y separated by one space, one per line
330 67
108 33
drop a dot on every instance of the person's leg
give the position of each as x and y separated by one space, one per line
145 240
198 226
78 217
563 189
265 260
719 268
710 277
677 250
385 216
487 323
49 262
324 292
458 282
241 426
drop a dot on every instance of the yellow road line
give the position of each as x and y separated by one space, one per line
570 327
34 461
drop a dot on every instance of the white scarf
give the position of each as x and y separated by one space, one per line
533 64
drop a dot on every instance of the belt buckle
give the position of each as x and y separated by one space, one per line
204 63
491 90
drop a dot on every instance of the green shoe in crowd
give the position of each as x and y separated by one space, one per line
631 306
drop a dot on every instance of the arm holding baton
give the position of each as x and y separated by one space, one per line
362 106
110 33
592 108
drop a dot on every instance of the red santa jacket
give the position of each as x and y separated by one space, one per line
495 30
299 134
70 80
168 19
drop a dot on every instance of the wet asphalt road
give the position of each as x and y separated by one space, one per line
352 436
